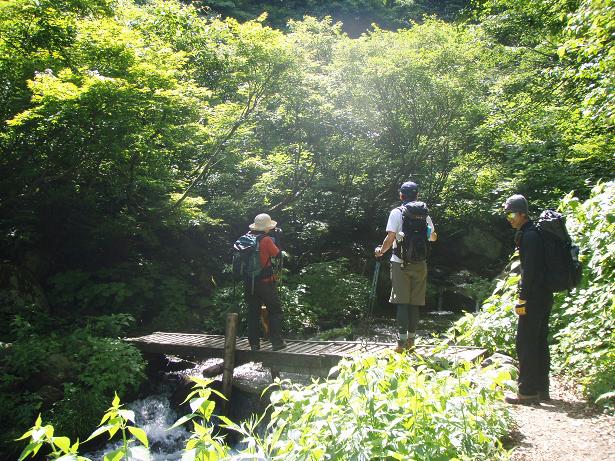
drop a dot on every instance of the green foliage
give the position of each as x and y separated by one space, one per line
588 54
136 136
376 405
390 406
117 421
59 447
356 15
81 369
585 339
325 295
494 327
203 444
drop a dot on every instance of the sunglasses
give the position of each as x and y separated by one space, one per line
510 216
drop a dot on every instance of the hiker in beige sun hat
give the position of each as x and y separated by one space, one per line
263 223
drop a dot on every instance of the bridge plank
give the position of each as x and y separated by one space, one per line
310 357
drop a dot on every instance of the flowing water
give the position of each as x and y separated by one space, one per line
156 414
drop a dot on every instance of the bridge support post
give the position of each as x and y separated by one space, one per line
230 338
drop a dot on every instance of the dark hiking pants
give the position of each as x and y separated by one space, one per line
532 347
264 294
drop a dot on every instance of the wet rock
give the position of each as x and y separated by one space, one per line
480 247
58 370
183 387
213 369
501 359
49 395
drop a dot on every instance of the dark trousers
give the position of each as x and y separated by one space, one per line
264 294
532 347
407 319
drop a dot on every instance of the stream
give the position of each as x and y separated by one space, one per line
156 412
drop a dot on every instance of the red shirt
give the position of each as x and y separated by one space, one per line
268 250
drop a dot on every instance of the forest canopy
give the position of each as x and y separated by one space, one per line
139 138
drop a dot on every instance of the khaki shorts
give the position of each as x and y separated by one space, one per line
408 284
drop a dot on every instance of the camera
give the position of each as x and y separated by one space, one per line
276 234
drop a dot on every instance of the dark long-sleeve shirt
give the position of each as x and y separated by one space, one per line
531 251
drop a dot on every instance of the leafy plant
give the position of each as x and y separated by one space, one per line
202 445
59 447
390 406
115 420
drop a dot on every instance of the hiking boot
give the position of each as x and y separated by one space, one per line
544 396
277 346
522 399
405 346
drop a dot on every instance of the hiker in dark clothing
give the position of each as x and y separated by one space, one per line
533 307
264 290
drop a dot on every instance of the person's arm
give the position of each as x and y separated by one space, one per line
529 262
386 244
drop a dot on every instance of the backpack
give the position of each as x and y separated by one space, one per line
563 270
414 246
246 259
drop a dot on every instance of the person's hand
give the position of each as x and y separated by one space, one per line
520 307
433 237
378 252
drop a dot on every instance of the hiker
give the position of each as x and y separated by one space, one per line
409 228
533 307
261 289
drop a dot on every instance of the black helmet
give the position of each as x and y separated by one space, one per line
516 204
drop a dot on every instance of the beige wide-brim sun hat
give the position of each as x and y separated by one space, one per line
263 222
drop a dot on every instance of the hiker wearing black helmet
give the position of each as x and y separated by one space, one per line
259 280
533 307
409 228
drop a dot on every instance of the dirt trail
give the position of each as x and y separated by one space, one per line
565 429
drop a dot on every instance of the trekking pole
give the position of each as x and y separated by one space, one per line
372 293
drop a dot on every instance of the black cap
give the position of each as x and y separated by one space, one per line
409 188
516 204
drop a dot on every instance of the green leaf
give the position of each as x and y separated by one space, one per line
116 455
62 442
195 404
31 448
100 430
25 436
68 457
139 434
181 421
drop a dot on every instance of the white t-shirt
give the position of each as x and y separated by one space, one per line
394 225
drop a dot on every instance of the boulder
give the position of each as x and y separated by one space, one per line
480 248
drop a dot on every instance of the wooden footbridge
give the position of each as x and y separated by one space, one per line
305 357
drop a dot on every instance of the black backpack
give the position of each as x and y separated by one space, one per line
414 246
563 270
246 259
